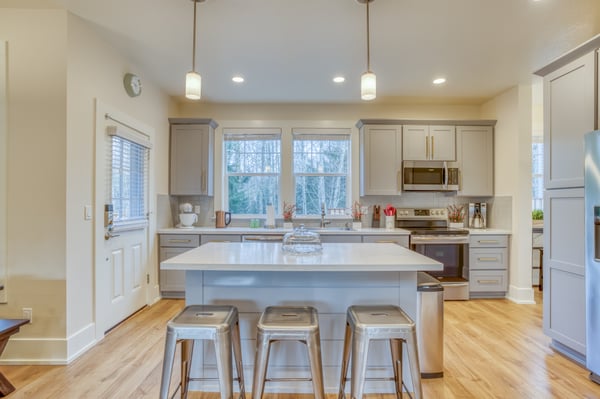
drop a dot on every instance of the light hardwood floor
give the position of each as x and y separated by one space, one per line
493 349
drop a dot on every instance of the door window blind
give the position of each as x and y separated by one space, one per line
127 180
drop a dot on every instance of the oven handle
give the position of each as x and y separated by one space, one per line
439 239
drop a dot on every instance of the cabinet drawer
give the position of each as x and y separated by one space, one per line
168 252
220 238
488 280
401 240
488 241
180 240
487 258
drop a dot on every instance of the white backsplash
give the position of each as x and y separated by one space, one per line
499 208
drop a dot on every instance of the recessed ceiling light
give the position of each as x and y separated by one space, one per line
439 81
237 79
339 79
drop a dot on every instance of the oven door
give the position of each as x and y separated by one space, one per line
451 251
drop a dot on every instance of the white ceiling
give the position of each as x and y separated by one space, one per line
289 50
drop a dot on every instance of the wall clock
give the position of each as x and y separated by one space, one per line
133 84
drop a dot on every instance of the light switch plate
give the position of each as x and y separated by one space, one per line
87 212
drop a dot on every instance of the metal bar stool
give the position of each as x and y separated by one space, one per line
204 322
378 322
283 323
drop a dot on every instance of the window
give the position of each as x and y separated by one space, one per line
128 178
252 162
321 164
537 182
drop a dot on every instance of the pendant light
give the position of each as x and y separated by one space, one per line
193 80
368 80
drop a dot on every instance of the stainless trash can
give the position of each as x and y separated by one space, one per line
430 325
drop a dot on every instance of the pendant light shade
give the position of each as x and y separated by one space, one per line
193 85
368 86
368 80
193 80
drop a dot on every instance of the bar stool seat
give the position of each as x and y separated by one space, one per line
218 323
288 323
378 322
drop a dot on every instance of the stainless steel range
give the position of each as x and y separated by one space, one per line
431 236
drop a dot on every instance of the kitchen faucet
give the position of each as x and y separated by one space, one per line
323 221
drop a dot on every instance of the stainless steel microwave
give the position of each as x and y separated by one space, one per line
429 176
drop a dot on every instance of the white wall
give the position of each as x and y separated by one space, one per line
36 177
512 147
95 71
57 66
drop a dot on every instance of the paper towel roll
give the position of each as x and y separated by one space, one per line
270 223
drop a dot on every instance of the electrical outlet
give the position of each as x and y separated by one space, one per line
28 314
196 208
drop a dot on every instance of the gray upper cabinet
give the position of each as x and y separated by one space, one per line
475 152
569 113
191 156
428 143
380 160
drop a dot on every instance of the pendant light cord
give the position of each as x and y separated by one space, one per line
368 41
194 40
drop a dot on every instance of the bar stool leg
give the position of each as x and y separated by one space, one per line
187 348
413 358
261 363
167 369
237 352
396 349
345 360
223 355
360 349
316 367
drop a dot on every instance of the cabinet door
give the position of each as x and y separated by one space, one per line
564 267
442 143
381 160
191 160
476 160
415 143
171 281
569 113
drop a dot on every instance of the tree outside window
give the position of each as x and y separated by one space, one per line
252 170
320 168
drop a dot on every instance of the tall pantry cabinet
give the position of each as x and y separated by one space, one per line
570 111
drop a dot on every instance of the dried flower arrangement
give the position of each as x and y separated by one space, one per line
357 211
288 211
456 213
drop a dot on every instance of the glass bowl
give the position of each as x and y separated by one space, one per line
302 242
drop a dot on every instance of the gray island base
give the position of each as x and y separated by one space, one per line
253 276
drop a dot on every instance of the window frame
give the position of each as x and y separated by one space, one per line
265 133
337 134
286 183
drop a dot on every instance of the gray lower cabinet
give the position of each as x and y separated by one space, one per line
488 266
397 239
220 238
172 282
341 238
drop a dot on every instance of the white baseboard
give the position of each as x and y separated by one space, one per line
522 296
80 342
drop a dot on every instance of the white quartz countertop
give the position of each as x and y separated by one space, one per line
253 256
264 231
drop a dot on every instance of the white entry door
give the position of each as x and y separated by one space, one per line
122 257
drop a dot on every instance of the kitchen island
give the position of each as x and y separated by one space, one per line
252 276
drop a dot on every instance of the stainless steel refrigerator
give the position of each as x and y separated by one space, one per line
592 252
